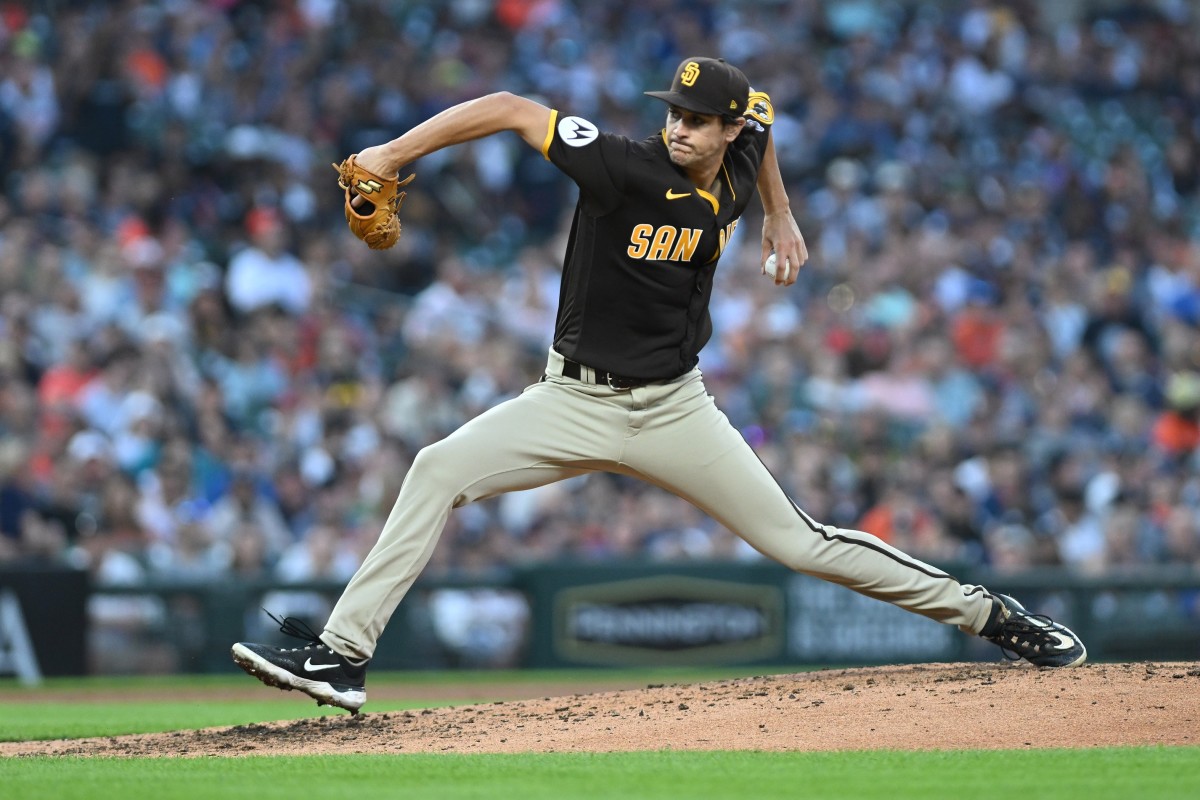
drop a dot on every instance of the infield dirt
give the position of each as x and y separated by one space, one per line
931 706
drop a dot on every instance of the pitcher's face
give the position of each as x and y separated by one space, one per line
695 140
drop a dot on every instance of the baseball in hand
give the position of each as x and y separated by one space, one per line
769 266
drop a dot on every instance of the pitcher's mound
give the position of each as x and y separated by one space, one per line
933 706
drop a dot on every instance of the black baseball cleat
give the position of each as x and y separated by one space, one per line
328 677
1036 638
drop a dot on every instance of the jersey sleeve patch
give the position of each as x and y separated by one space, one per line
576 131
760 110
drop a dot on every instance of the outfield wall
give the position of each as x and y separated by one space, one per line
52 622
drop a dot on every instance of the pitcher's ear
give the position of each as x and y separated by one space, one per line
733 128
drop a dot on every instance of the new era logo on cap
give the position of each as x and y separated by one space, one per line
708 86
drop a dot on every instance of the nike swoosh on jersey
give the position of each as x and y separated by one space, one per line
311 667
675 196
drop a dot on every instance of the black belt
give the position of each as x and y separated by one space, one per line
574 370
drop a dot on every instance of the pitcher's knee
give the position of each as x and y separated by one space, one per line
799 553
435 469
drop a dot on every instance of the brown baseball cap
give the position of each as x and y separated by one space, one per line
708 86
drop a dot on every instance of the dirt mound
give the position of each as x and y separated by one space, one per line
936 706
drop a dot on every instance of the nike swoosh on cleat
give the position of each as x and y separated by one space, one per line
675 196
1064 642
311 667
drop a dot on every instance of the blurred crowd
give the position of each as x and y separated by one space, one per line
993 356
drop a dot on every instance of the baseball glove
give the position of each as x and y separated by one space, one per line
376 220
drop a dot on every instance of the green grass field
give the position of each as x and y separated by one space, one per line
97 707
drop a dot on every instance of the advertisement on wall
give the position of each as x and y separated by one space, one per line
673 619
615 615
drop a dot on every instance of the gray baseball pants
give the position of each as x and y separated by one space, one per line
671 435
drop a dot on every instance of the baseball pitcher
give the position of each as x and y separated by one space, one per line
621 391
